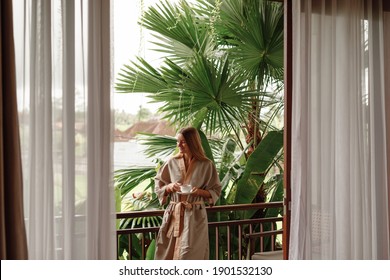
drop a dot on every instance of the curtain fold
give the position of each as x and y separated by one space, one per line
41 217
100 220
339 164
64 75
13 234
68 129
386 35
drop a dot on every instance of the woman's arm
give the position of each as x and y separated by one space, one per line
161 183
199 192
212 191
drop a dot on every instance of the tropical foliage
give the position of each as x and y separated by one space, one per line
222 73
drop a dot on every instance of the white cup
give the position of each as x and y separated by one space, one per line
186 188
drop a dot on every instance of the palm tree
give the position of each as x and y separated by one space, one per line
220 58
251 31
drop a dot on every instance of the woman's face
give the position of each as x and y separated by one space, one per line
182 145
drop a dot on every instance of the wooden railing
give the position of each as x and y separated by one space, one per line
232 239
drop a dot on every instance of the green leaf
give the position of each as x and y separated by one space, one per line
129 178
178 30
151 250
257 167
158 145
206 145
276 195
228 157
254 31
199 118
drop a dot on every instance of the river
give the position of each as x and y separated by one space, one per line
130 154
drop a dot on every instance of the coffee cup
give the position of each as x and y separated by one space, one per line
186 188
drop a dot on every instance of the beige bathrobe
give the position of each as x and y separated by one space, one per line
184 231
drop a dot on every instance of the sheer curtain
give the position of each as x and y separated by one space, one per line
64 76
339 165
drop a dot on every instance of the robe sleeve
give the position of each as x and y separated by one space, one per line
161 181
214 185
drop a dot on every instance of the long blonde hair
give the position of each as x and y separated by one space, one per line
192 137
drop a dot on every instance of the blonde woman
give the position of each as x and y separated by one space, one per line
184 231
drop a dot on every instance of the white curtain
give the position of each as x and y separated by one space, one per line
339 164
64 84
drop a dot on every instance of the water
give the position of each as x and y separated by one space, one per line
130 154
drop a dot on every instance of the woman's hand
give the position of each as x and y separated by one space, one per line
199 192
173 187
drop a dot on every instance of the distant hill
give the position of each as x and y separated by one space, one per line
152 126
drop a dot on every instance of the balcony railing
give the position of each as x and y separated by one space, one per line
232 239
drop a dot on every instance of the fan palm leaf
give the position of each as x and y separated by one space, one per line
179 32
158 146
253 30
128 179
210 88
139 76
210 85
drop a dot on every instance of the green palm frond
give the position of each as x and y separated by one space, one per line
162 146
158 146
129 178
269 117
212 92
178 31
139 76
210 86
253 29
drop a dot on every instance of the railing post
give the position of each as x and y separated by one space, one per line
216 243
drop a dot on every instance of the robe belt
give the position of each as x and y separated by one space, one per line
176 224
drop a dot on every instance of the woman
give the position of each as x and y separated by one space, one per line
184 231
